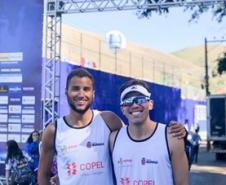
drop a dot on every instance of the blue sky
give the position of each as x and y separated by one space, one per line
167 33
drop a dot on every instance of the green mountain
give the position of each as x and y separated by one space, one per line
196 55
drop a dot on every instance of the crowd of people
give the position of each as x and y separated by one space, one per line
95 147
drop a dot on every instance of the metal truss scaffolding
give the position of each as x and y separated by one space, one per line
51 80
54 11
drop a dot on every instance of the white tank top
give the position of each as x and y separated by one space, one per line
142 162
83 153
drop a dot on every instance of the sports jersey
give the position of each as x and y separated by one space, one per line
139 162
83 153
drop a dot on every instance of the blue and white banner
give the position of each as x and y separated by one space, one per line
20 68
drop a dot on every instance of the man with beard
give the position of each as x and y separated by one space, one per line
144 152
80 139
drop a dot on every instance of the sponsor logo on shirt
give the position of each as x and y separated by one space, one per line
73 167
66 148
145 161
124 181
125 162
90 144
129 181
143 182
91 165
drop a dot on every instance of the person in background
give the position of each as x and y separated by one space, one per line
195 145
17 163
188 143
187 125
40 141
32 148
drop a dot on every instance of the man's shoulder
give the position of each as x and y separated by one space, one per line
112 120
49 131
107 114
51 127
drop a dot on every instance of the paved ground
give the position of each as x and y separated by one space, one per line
208 171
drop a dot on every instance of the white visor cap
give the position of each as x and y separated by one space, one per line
135 88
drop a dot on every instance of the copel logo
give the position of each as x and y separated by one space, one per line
124 181
143 182
128 181
73 166
91 165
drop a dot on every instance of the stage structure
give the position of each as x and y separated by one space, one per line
54 11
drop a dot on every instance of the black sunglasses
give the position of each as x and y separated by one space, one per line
135 99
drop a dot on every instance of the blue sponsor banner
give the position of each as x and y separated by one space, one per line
168 104
167 100
20 68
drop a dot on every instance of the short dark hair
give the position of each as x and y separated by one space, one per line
79 72
133 82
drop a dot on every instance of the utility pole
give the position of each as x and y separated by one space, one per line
206 78
206 69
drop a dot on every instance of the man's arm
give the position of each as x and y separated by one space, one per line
112 120
178 159
46 157
112 139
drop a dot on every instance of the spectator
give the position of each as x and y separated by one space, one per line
40 141
195 145
17 169
188 149
32 148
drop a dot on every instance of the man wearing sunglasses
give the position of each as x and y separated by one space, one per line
145 152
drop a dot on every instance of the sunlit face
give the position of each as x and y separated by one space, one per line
137 113
80 94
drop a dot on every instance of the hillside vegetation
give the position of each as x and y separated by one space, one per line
196 56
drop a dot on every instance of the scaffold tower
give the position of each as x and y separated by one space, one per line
53 17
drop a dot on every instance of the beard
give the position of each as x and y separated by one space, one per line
80 111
